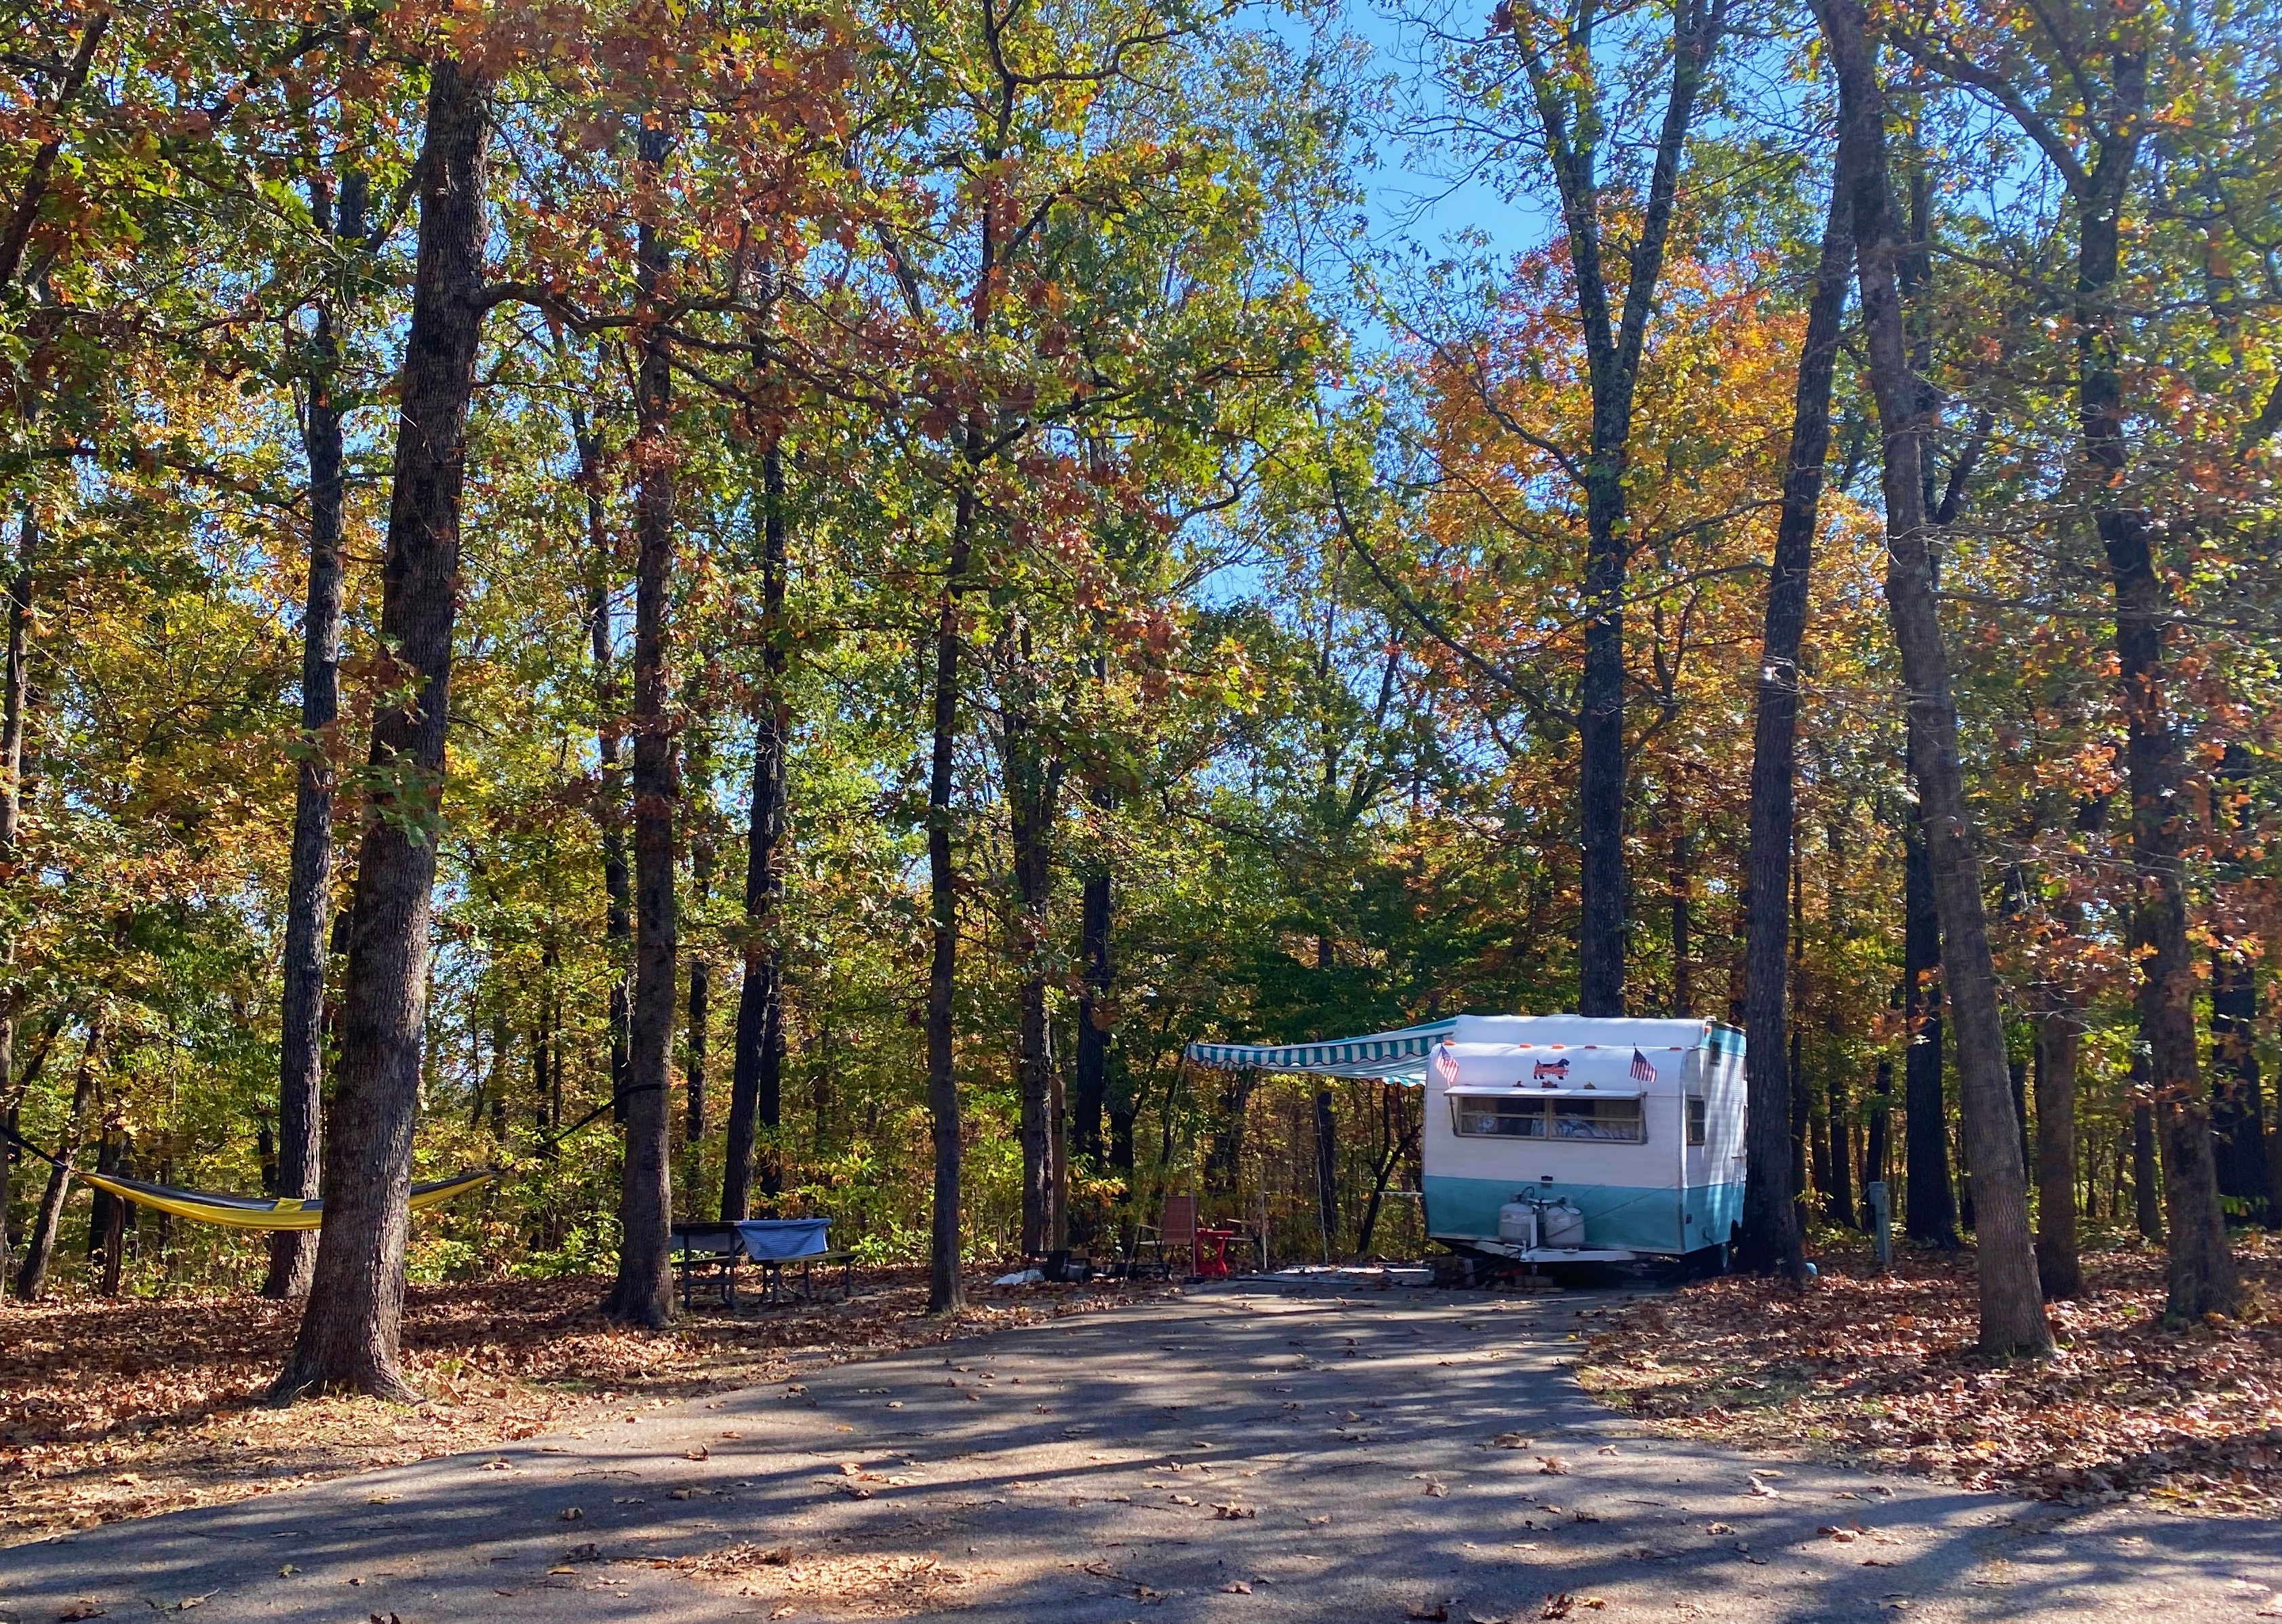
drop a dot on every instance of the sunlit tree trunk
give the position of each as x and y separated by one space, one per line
1770 1240
2059 1272
308 890
2011 1311
40 1245
2203 1278
350 1330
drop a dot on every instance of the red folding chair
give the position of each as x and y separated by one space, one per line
1176 1230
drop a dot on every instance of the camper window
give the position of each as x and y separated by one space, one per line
1696 1119
1609 1122
1516 1119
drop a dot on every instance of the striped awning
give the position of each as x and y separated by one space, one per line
1398 1057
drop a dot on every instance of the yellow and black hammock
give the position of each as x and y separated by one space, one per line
247 1211
284 1211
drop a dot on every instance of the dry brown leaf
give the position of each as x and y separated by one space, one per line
1425 1609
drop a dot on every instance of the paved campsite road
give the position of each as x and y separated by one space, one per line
1070 1472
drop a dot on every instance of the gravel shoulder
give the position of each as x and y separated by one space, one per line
1234 1455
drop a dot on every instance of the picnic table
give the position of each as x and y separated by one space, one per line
719 1245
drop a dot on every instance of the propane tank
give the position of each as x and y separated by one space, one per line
1564 1226
1517 1224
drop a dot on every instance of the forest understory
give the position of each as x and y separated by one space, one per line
1879 1370
112 1410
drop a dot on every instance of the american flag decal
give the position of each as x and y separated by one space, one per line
1642 1072
1446 1064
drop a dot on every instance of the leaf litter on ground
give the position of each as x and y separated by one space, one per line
1881 1369
112 1410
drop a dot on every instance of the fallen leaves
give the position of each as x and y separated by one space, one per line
1428 1610
1552 1466
1882 1368
869 1585
1510 1440
1232 1512
112 1410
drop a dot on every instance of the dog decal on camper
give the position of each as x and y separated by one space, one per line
1551 1071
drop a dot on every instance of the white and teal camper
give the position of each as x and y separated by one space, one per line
1557 1139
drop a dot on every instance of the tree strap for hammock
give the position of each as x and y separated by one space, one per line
284 1212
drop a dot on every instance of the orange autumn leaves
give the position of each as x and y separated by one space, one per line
1503 542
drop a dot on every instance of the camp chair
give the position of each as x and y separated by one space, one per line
1176 1230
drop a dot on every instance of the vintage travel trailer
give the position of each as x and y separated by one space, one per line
1558 1139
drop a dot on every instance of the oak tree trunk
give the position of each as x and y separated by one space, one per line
946 1291
350 1329
1770 1240
1929 1209
2059 1272
40 1245
1033 795
757 1080
2011 1311
1095 904
14 698
609 789
2203 1279
308 889
644 1291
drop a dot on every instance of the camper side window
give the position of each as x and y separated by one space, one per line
1609 1122
1696 1119
1512 1119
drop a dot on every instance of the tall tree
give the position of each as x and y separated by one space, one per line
308 893
1567 81
757 1084
1770 1239
2012 1309
2080 89
1033 776
350 1331
644 1291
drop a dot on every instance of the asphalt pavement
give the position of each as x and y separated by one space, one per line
1237 1456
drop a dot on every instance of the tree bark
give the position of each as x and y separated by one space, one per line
609 802
308 890
2238 1098
2011 1311
643 1292
2059 1272
2203 1279
1033 794
757 1082
40 1245
1770 1240
2147 1191
15 695
1929 1209
1095 906
1613 350
946 1291
350 1331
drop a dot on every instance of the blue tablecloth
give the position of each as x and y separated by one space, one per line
777 1239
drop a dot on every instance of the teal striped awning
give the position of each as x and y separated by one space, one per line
1396 1056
